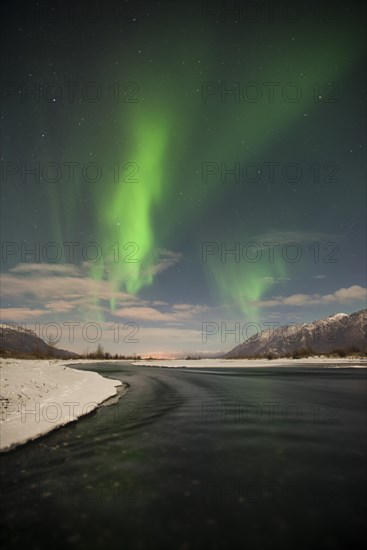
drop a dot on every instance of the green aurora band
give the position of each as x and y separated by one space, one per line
126 213
163 130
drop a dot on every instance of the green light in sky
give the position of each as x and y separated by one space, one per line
240 284
166 133
126 211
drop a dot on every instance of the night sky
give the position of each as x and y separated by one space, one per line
144 142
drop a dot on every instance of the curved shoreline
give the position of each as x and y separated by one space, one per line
39 396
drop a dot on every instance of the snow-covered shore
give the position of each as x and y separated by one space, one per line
38 396
230 363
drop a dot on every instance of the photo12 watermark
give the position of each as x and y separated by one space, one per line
267 11
270 172
266 331
80 12
71 331
54 252
269 92
16 174
53 411
269 251
269 412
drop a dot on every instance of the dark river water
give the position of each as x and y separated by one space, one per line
189 459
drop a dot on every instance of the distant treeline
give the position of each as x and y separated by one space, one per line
352 351
99 353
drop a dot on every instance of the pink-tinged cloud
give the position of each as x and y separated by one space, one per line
76 290
167 259
354 293
175 315
66 289
14 314
143 314
45 269
59 285
59 306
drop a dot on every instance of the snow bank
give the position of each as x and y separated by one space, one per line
38 396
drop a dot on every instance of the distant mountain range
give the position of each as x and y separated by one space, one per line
339 333
18 341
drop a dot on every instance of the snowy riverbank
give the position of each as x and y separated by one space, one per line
230 363
38 396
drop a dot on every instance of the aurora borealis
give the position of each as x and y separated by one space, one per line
159 127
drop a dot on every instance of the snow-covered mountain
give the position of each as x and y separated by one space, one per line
17 340
337 332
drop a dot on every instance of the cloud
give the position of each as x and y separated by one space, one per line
175 314
153 337
59 306
52 285
20 313
190 309
354 293
319 276
34 269
68 289
167 260
63 287
143 314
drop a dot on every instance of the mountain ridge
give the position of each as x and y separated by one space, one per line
15 340
339 332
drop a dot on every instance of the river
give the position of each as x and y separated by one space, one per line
194 458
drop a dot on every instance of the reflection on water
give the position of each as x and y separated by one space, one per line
199 459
